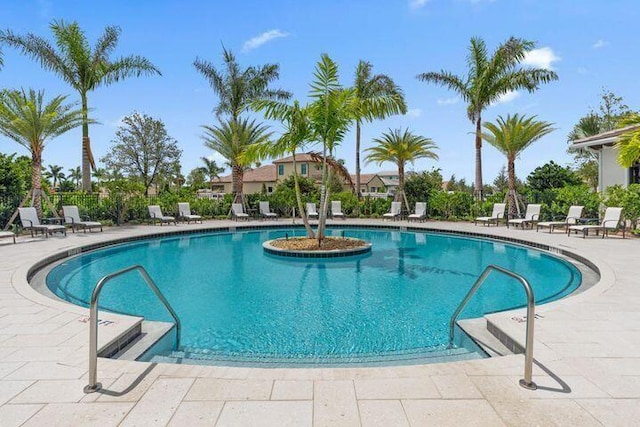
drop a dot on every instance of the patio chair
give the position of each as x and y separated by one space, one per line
312 211
394 213
72 218
575 213
30 221
611 221
156 215
6 234
184 213
237 211
420 213
265 211
336 209
530 216
496 215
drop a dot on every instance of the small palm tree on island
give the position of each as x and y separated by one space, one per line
401 147
488 79
82 67
511 136
29 121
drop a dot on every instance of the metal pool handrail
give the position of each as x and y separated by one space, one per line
94 385
526 382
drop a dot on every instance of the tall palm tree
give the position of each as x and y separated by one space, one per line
26 119
376 97
82 67
211 170
236 87
488 78
231 139
75 175
629 142
511 136
401 148
587 160
54 172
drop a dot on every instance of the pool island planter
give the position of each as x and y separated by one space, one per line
364 248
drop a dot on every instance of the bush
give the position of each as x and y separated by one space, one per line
626 198
454 206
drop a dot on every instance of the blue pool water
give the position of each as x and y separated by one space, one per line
235 301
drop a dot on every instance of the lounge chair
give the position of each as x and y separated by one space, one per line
265 211
237 211
156 215
336 209
7 234
575 213
72 218
312 212
420 213
611 221
496 215
394 213
184 213
30 221
530 216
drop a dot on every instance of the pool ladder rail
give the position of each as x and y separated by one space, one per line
526 382
94 385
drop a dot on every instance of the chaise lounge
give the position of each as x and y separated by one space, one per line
312 211
30 221
611 221
531 215
72 218
420 213
265 211
496 215
156 215
184 213
394 213
574 214
336 209
237 211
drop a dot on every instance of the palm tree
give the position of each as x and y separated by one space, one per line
511 136
26 119
211 170
231 139
376 97
82 67
236 88
75 175
587 160
101 175
54 173
489 78
629 142
401 148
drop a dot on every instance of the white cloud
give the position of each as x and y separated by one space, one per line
507 97
600 43
447 101
541 58
259 40
414 113
417 4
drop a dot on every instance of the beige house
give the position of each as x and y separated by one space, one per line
609 170
253 181
305 164
370 183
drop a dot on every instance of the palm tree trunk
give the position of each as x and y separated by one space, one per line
400 197
36 182
358 193
303 213
324 189
511 172
237 174
478 181
86 162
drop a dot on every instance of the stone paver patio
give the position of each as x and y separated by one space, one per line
587 347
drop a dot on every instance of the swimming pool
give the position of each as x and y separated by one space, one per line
237 303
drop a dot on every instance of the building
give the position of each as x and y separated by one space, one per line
254 180
370 183
609 170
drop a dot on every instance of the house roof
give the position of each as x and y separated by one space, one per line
265 173
302 157
365 178
604 138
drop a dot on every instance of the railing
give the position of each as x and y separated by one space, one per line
94 385
526 382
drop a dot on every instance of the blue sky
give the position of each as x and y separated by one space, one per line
591 44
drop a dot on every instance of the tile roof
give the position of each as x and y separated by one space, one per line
265 173
302 157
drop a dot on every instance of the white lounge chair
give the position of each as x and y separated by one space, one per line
30 221
336 209
237 210
156 215
420 213
496 215
312 211
611 221
394 213
184 212
7 234
265 211
575 213
72 218
530 216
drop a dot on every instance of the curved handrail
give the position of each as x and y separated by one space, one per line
94 385
526 382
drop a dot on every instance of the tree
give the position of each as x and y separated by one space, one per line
196 179
489 78
418 186
401 148
29 121
511 136
628 144
15 174
54 172
142 149
75 175
375 97
82 67
231 139
210 170
552 175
